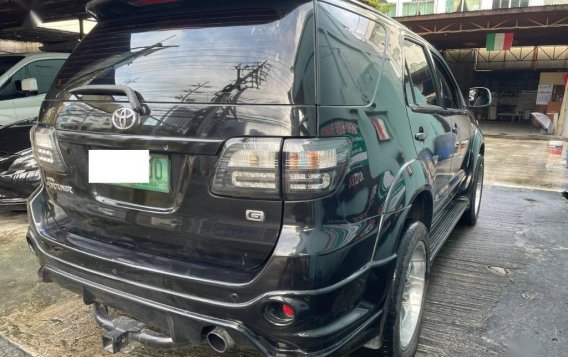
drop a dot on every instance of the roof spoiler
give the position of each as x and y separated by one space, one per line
109 9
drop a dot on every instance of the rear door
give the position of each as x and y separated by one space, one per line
431 124
203 76
452 101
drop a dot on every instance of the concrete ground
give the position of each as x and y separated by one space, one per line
523 129
496 289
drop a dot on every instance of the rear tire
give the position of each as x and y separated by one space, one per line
407 296
474 193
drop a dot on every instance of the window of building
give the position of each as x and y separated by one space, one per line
505 4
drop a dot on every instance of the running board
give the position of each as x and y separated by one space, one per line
443 226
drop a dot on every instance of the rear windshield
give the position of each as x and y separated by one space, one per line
7 62
234 56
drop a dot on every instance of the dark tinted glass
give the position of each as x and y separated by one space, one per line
421 79
351 54
7 62
449 91
233 56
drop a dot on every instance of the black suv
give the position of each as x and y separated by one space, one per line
308 159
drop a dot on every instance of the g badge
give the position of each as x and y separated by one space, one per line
255 216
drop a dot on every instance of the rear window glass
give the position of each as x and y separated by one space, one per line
351 55
237 56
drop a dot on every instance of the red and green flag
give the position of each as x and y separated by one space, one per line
499 41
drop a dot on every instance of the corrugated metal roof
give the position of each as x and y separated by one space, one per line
16 24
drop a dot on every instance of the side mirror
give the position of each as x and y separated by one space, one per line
29 86
479 97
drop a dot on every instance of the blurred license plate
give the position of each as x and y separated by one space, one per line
159 175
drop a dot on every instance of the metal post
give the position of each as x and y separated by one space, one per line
81 28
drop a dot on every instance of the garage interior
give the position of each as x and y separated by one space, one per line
530 77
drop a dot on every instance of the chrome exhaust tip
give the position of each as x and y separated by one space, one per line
220 340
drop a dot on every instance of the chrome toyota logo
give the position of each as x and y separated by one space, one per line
124 118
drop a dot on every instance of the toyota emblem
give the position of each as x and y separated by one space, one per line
124 118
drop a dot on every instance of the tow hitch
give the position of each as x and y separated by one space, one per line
121 330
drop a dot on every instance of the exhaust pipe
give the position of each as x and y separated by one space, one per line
220 340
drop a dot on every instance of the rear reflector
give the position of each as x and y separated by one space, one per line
46 149
288 311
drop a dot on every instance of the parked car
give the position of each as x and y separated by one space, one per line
19 178
307 162
19 172
24 80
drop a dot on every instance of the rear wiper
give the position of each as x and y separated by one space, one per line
124 59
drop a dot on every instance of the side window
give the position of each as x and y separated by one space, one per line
408 87
421 77
351 53
44 72
8 90
449 91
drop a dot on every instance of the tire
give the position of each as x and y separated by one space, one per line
474 194
414 238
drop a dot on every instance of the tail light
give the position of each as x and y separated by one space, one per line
251 167
313 167
46 149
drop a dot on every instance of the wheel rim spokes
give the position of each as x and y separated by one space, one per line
412 296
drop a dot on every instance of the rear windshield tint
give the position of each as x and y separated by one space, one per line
235 56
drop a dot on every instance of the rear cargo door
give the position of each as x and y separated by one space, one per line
201 76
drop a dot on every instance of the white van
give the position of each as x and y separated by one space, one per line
24 80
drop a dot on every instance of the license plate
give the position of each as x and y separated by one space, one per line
159 175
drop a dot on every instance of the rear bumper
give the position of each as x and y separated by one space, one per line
331 321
